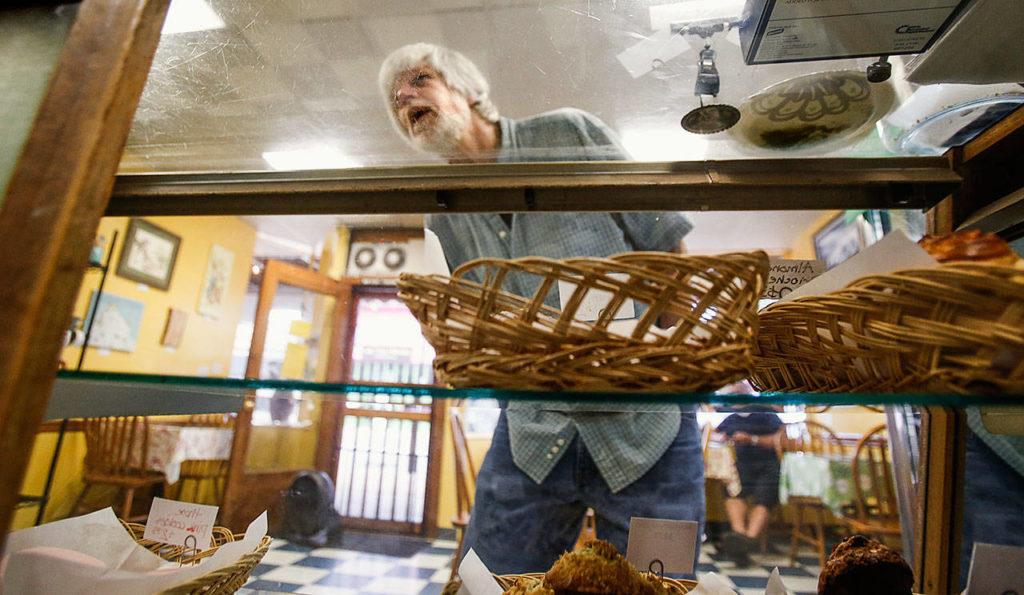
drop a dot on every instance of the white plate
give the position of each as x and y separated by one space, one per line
817 111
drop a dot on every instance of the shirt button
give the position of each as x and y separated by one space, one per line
560 441
551 456
502 234
554 449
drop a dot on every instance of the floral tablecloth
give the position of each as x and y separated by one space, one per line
830 479
169 445
720 464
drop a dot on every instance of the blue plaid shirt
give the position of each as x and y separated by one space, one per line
624 439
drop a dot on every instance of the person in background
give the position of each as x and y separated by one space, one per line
548 462
753 431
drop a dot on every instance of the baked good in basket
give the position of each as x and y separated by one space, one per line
485 335
969 245
597 568
860 565
955 327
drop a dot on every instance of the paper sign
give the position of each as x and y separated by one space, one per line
785 275
476 579
674 543
894 252
294 364
989 564
595 300
171 522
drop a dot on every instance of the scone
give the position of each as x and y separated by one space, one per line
597 568
859 565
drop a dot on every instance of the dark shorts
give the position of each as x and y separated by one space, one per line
758 469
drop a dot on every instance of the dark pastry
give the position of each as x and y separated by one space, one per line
969 245
860 566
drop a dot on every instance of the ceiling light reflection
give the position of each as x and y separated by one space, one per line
190 15
664 145
309 158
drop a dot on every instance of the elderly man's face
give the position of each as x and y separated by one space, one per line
433 116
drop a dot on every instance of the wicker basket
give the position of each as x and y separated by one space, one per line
954 328
672 585
225 580
486 336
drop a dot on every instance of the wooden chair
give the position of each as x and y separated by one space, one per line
116 451
196 472
811 437
465 483
876 511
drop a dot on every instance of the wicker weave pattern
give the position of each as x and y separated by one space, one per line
954 328
219 582
672 585
487 336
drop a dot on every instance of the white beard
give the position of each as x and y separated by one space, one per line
442 137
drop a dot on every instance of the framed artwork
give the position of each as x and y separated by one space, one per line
116 324
174 328
215 282
148 254
840 238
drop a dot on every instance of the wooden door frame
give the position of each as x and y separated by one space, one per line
329 452
56 195
275 274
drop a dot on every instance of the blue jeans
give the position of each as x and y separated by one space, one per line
993 502
518 526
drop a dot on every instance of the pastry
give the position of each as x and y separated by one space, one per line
597 568
970 245
860 565
528 586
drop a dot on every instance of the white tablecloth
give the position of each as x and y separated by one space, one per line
169 445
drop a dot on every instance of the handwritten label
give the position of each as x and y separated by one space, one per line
785 275
595 300
476 579
989 564
171 522
673 543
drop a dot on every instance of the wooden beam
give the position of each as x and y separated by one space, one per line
57 193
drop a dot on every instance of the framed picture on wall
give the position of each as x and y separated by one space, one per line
116 323
148 254
840 238
215 282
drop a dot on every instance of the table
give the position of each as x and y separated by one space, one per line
170 445
829 479
720 464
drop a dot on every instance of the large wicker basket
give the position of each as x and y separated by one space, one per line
225 580
954 328
487 336
672 585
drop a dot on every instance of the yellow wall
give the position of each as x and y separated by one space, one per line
478 446
205 348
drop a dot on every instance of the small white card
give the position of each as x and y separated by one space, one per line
674 543
172 522
990 565
476 579
595 300
785 275
892 253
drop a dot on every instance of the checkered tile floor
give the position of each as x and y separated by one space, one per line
413 566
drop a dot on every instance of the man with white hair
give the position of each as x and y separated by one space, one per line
548 462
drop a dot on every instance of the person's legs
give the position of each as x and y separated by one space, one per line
993 502
672 489
517 526
736 510
757 521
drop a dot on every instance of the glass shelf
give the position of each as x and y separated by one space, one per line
228 391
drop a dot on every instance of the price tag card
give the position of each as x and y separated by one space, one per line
785 275
989 565
171 522
673 543
476 579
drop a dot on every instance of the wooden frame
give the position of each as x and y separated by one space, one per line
148 254
55 198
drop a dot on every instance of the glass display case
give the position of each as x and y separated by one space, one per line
264 141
